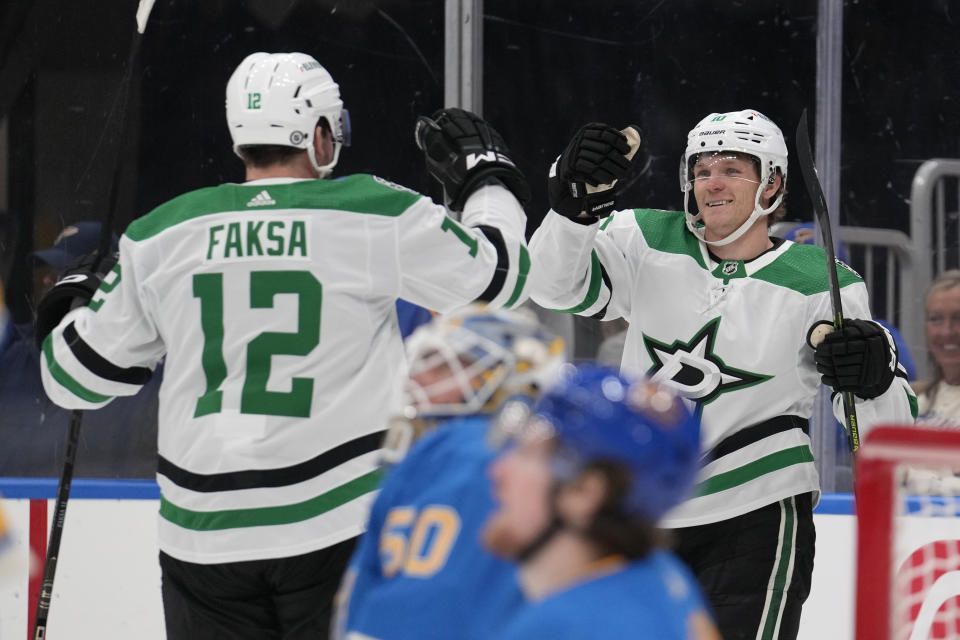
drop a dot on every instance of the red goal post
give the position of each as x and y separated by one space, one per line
908 534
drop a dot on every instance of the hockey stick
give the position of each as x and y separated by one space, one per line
809 171
56 528
76 417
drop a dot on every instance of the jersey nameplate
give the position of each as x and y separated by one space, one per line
258 237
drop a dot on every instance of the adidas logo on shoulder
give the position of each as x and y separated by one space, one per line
262 199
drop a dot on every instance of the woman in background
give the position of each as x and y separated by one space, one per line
939 397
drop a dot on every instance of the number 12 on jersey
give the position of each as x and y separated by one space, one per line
254 397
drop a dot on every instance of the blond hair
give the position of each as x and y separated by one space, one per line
946 280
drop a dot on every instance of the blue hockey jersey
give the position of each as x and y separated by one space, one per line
655 598
420 570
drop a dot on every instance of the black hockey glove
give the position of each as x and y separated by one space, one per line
860 358
463 153
583 177
76 286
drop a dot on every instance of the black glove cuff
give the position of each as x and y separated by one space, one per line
75 288
584 220
870 392
72 291
509 176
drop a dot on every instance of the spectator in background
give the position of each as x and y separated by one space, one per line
119 442
939 397
79 239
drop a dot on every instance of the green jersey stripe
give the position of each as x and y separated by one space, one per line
524 269
785 553
596 279
360 193
914 405
267 516
64 379
667 231
753 470
803 268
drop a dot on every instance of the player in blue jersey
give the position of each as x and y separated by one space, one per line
590 473
420 570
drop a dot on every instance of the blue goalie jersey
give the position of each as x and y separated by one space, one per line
655 598
420 570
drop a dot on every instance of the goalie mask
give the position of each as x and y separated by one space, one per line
473 362
278 99
749 132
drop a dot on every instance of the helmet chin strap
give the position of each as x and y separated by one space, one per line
556 524
553 527
700 233
327 169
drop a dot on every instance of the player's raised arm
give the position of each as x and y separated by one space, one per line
444 262
575 269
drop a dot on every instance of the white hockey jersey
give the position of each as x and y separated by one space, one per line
273 303
730 336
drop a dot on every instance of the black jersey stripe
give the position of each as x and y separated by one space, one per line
756 433
503 263
606 282
97 364
262 478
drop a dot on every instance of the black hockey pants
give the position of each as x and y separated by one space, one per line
288 598
755 569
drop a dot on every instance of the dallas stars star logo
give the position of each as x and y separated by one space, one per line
693 370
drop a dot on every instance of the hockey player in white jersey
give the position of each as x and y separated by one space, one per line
722 311
273 304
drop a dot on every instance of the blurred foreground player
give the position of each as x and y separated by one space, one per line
420 572
580 492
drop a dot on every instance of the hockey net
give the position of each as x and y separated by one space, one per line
908 534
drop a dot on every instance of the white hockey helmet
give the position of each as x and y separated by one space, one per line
278 98
748 132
